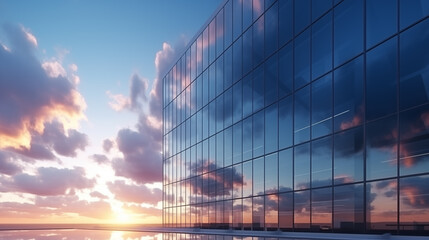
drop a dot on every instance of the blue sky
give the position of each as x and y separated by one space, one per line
104 161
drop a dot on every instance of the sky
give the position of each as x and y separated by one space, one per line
80 106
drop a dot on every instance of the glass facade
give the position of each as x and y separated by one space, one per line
305 115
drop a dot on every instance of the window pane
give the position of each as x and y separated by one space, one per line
412 11
381 148
212 39
219 149
321 209
258 8
258 176
247 139
319 7
381 80
258 88
258 213
237 145
237 183
237 17
238 102
247 95
321 50
285 21
270 78
227 68
413 205
237 51
228 146
286 211
258 134
228 23
247 14
321 162
302 210
302 167
271 172
414 62
285 70
227 109
285 123
348 95
348 208
321 107
219 75
381 20
302 15
247 51
302 115
247 179
302 59
219 113
247 213
348 30
258 41
237 213
271 32
271 211
219 33
286 170
382 205
271 129
348 156
414 144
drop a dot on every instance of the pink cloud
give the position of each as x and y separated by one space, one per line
107 145
100 158
97 194
135 193
7 164
49 181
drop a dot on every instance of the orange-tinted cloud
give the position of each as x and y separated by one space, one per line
135 193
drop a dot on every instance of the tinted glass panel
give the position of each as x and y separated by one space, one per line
271 32
227 108
219 33
238 102
381 80
258 88
228 146
285 170
237 145
414 144
413 205
237 181
348 156
319 7
247 14
302 115
219 113
381 20
303 19
321 107
286 210
228 23
321 51
237 213
381 148
271 75
302 167
348 208
382 205
247 213
271 212
285 21
258 134
271 172
237 9
348 30
302 59
348 95
247 51
258 176
285 70
247 138
258 213
219 75
412 11
301 209
247 95
414 62
321 209
271 129
258 41
237 50
227 67
321 162
247 179
285 123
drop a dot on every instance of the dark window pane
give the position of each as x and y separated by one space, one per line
285 170
286 211
321 209
348 30
271 129
285 123
413 205
227 109
258 176
285 21
271 173
247 14
381 80
321 60
348 156
247 179
271 32
237 144
302 167
237 102
219 149
348 95
219 75
381 20
237 50
302 210
247 138
381 148
321 107
258 88
212 118
382 205
237 17
258 134
219 33
247 95
412 11
271 212
258 8
414 62
258 41
302 15
348 208
321 162
319 7
285 70
247 51
258 213
212 81
302 115
302 59
228 23
228 146
271 75
227 68
414 144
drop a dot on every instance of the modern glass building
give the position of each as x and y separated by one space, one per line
301 116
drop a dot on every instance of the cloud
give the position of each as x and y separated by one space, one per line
97 194
107 145
100 158
135 193
7 165
64 144
49 181
32 93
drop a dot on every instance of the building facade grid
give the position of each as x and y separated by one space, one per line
301 116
